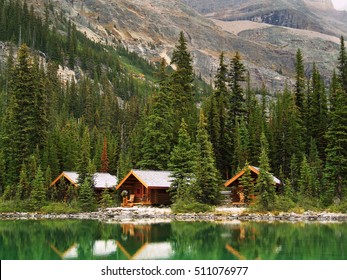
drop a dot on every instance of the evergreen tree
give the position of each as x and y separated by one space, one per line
84 157
207 186
306 180
247 183
265 183
236 78
20 115
317 112
300 82
106 199
336 157
86 198
38 194
157 137
23 187
217 117
343 64
182 163
182 84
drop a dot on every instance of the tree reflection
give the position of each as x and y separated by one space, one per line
76 239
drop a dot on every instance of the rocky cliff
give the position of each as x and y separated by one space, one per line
151 28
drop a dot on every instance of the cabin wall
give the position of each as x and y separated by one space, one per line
160 196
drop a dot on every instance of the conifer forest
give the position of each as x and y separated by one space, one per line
119 112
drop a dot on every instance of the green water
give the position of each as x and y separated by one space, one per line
90 240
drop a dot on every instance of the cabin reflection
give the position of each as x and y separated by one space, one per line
100 249
132 241
241 234
145 242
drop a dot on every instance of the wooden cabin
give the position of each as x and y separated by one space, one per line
149 187
101 181
236 188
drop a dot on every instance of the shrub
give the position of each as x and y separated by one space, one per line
60 208
183 206
283 204
340 207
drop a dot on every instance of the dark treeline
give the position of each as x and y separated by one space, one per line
108 120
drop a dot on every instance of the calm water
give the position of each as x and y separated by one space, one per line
61 239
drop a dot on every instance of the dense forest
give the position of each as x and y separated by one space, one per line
120 112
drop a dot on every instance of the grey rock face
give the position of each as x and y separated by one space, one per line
151 28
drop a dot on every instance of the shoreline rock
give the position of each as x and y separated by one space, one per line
153 215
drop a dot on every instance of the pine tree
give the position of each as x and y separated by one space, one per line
106 199
248 183
343 64
300 82
84 157
207 186
86 198
317 112
158 134
20 115
305 181
182 163
217 117
38 194
265 184
181 84
336 151
236 78
23 187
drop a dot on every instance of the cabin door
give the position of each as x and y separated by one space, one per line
138 192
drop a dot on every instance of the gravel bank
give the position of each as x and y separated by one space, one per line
154 215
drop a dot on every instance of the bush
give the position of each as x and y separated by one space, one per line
310 204
283 204
7 206
183 206
340 207
60 208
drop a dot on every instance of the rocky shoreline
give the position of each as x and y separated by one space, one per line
153 215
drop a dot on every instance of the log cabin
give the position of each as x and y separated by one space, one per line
149 187
101 181
237 189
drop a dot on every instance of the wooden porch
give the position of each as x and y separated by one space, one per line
139 193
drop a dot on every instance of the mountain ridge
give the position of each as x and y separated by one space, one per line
151 28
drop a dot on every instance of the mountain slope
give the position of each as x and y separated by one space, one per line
315 15
151 28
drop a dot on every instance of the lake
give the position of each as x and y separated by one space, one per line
94 240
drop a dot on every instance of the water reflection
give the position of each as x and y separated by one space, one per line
177 240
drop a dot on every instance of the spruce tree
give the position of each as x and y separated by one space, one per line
84 157
86 197
181 84
20 114
38 194
181 165
336 151
343 64
300 82
158 134
106 199
248 183
207 186
236 78
265 184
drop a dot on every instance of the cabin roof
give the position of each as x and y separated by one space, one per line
101 180
150 178
254 169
